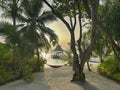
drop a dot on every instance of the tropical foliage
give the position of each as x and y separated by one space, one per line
109 67
26 37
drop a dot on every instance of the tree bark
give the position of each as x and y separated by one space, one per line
38 61
75 58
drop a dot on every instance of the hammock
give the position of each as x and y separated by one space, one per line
56 65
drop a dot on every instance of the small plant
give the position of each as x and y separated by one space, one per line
27 74
117 75
5 76
69 60
42 63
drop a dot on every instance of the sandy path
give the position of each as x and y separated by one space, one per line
59 79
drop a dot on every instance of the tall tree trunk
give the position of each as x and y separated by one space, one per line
14 48
84 56
14 14
38 62
76 68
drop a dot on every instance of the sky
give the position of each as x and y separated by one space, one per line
62 32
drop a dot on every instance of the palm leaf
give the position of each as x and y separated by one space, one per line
32 8
22 18
46 17
10 32
50 33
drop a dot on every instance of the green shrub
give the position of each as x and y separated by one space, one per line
109 65
117 75
4 75
69 60
27 74
5 57
42 63
32 62
35 64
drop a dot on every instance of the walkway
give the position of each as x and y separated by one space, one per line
59 79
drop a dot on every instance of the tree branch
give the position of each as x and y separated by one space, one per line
58 15
80 25
74 12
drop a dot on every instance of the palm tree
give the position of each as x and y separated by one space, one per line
34 33
11 8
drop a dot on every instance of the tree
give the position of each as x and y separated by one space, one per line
33 33
72 9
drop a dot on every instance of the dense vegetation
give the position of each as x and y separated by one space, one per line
25 39
110 68
110 65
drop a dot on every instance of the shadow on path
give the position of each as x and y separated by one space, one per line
86 85
39 83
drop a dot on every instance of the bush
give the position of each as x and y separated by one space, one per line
69 60
32 62
5 76
5 57
27 74
42 64
35 64
117 75
109 68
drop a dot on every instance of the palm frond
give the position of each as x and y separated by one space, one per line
32 8
44 43
50 33
46 17
6 14
21 18
10 31
3 5
6 28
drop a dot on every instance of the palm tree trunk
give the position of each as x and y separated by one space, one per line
38 62
14 47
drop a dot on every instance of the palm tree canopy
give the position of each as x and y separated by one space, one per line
34 29
10 32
